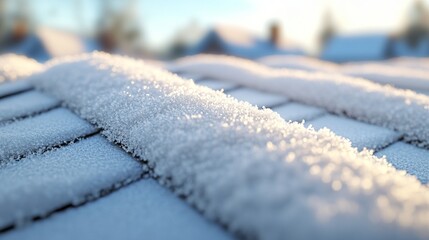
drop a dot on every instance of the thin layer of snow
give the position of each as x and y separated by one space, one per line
258 98
13 67
409 62
143 210
360 134
217 85
39 184
247 168
25 104
299 63
412 159
359 98
397 76
51 128
298 112
9 88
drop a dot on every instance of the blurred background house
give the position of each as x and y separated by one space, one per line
43 29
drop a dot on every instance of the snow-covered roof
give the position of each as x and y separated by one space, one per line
46 43
362 47
239 42
82 172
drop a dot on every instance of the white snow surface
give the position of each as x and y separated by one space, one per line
41 183
299 63
40 132
356 97
13 67
24 104
143 210
244 167
398 76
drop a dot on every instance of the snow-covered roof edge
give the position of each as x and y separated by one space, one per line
401 110
14 67
244 167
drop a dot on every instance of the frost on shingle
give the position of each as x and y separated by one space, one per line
299 63
258 98
413 160
397 76
39 184
42 131
246 168
298 112
360 134
13 67
217 85
25 104
10 88
401 110
142 210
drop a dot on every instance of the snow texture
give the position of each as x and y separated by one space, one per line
25 104
360 134
40 132
246 168
41 183
217 85
299 63
298 112
412 159
143 210
10 88
258 98
13 67
358 98
397 76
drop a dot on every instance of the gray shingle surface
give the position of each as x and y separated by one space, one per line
61 177
143 210
217 85
298 112
54 127
13 87
24 104
360 134
413 160
258 98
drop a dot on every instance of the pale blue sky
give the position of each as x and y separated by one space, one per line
300 19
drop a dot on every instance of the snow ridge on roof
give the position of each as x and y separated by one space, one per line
14 66
401 110
247 168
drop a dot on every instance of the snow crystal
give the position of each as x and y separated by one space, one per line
412 159
258 98
54 127
143 210
359 98
298 112
42 183
10 88
25 104
246 168
13 67
360 134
